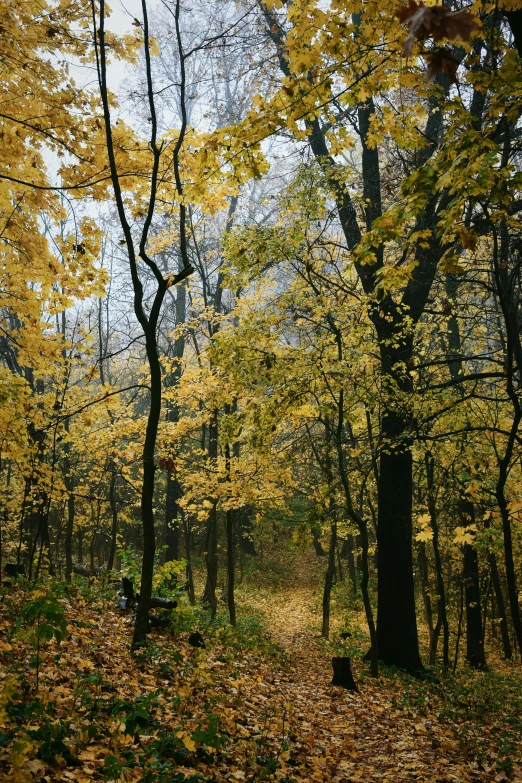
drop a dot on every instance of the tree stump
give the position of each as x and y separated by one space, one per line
196 640
343 674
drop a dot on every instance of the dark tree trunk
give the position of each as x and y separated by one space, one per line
40 522
328 581
396 620
425 585
339 563
114 525
245 531
474 635
459 626
319 549
141 626
442 616
352 572
500 614
508 300
69 530
171 519
485 603
231 575
509 559
211 558
365 579
230 528
188 555
474 646
80 545
174 491
91 551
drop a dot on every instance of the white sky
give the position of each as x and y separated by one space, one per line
120 21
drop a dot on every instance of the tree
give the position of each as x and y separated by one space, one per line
147 321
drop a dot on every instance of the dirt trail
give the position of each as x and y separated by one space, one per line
346 737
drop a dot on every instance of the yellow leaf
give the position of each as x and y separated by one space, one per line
187 741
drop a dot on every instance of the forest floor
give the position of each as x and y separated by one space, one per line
256 704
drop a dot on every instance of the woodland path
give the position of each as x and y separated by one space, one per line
342 737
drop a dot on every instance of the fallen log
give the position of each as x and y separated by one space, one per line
157 602
84 571
129 599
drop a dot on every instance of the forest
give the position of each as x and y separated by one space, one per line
261 391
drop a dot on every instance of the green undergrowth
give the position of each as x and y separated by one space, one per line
176 715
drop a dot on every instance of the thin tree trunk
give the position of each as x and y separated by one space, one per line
348 547
147 497
231 601
508 303
211 558
425 585
188 555
459 626
171 519
114 526
174 491
474 637
339 563
80 545
69 530
500 614
442 616
230 526
328 581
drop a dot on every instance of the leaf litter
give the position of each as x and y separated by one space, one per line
260 710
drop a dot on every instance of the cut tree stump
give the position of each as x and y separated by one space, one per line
196 640
343 674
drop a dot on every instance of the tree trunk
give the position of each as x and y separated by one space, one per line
509 558
352 572
442 615
328 581
459 626
114 526
231 602
230 526
508 300
174 491
343 674
69 530
425 585
474 646
188 555
374 649
147 491
396 620
171 519
500 614
211 558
